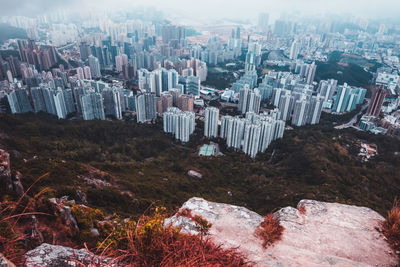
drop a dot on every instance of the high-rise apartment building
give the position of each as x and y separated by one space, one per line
112 103
59 104
301 110
94 66
84 50
69 101
43 99
175 95
295 50
311 73
249 100
263 19
316 104
80 74
191 84
180 123
251 139
347 98
327 88
211 115
145 107
92 106
286 106
164 102
252 134
377 99
19 101
232 129
185 102
87 73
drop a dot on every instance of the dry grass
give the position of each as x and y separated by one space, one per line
150 243
12 239
269 230
302 210
391 226
202 225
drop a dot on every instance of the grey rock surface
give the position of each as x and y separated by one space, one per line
59 256
319 234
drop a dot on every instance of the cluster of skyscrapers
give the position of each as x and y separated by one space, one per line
179 123
249 100
252 134
161 80
148 105
91 99
42 57
347 98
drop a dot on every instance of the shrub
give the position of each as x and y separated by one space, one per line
302 209
12 239
87 219
269 230
202 225
150 243
391 226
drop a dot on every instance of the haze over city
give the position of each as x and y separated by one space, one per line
199 133
209 9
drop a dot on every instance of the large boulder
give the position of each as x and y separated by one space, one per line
315 234
59 256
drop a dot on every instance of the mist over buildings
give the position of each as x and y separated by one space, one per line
211 9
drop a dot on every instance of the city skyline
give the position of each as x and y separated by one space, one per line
236 9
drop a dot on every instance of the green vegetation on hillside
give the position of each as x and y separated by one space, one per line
219 78
10 32
346 69
144 165
6 53
352 74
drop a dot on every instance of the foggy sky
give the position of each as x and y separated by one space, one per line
213 9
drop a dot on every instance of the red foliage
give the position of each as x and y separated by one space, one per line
269 230
302 210
12 239
391 226
202 224
185 213
12 249
150 243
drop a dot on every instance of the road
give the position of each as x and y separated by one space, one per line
354 119
66 46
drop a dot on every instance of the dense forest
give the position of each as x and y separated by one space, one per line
142 165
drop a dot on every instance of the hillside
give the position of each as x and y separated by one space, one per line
123 167
346 69
10 32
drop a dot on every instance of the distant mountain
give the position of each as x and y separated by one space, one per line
10 32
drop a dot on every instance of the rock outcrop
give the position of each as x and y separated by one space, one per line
316 234
11 181
59 256
60 207
195 174
5 170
